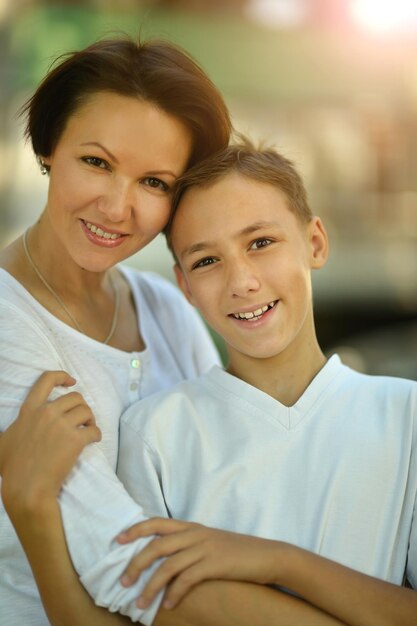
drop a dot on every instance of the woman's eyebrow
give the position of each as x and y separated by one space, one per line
115 160
99 145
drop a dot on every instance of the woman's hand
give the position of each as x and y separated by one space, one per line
196 553
42 445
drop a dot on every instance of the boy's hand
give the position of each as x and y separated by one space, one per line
196 553
42 445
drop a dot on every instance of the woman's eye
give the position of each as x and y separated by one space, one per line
96 162
260 243
156 183
203 263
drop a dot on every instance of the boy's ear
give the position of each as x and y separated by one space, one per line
319 243
183 283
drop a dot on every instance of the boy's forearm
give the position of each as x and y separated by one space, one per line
217 603
225 603
65 600
354 598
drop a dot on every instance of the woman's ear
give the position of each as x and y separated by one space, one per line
319 243
183 283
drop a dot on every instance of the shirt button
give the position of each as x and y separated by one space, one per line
133 386
135 363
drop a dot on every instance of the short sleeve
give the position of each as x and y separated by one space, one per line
138 467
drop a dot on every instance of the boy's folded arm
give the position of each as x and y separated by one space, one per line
194 553
355 598
220 603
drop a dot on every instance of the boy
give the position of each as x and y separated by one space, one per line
284 444
314 458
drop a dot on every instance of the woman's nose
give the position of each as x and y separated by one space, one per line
118 205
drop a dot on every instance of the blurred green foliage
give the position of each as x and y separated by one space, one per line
244 60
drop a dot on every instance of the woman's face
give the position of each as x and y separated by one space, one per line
111 176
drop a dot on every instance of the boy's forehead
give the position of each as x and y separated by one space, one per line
233 184
230 206
230 191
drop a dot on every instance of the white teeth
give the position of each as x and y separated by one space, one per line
100 232
252 315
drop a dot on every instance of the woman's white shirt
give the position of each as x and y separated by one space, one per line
32 341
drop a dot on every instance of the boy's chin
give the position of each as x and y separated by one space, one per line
256 352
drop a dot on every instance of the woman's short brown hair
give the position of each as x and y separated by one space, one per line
154 71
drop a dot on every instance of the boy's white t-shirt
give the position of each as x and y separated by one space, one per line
336 473
33 341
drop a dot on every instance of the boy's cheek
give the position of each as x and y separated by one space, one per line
183 284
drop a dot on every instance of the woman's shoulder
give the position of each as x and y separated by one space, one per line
14 276
152 286
12 292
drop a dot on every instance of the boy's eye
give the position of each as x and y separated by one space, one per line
155 183
96 162
203 262
260 243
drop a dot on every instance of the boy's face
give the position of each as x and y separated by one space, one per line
245 262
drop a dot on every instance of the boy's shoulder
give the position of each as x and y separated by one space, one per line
173 404
380 398
218 393
379 383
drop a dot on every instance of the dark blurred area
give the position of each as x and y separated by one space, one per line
331 83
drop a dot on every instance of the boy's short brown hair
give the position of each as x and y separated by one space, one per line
265 165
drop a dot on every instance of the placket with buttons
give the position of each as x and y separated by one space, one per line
134 377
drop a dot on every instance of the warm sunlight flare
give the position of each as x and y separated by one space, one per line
385 16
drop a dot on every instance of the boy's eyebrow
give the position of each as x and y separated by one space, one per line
202 245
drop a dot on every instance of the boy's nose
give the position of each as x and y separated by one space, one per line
242 279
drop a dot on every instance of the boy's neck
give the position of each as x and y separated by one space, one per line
285 376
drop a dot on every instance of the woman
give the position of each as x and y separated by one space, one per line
113 126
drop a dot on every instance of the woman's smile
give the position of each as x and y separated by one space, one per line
101 236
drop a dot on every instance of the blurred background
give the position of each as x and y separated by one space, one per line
331 83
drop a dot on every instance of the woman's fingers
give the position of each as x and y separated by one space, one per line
40 391
73 404
45 442
70 405
79 415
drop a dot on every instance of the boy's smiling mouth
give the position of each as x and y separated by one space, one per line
253 316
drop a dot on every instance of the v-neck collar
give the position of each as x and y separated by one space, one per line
289 417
